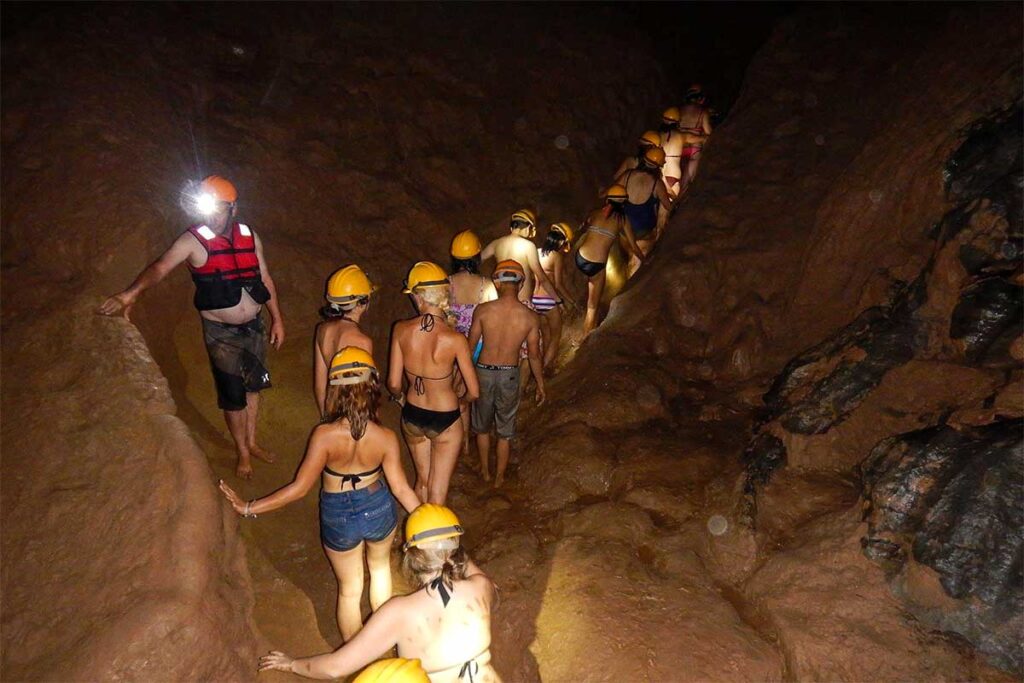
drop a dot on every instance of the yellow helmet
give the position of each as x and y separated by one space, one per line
671 115
525 215
396 670
465 245
616 193
425 274
429 523
650 139
563 228
348 284
655 156
351 365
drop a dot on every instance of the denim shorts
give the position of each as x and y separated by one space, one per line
350 517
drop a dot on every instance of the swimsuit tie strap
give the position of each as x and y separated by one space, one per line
418 385
471 668
427 322
442 590
354 478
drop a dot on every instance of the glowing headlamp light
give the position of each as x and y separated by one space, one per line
206 203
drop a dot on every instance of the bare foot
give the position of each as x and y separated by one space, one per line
243 470
261 453
498 481
486 476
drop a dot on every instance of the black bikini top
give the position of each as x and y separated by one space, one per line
426 325
354 478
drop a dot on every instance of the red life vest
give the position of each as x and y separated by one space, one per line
231 266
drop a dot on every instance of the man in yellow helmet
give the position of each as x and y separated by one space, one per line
233 284
518 246
348 297
504 325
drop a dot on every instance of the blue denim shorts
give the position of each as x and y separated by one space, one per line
350 517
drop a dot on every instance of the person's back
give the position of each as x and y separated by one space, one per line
523 252
445 636
694 122
505 324
337 333
603 228
468 290
349 456
429 348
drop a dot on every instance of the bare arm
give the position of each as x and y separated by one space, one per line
156 271
396 475
536 361
465 361
319 375
312 465
488 251
538 272
662 194
273 307
623 167
395 364
476 329
378 636
559 273
627 230
707 123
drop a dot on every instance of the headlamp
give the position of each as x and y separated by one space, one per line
206 203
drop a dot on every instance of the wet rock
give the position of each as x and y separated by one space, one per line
793 498
610 521
952 499
605 616
570 463
988 309
667 506
835 618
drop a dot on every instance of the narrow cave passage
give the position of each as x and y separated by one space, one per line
713 487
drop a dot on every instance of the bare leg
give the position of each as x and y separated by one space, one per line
553 320
236 420
378 557
595 287
689 173
419 448
252 410
504 448
464 417
483 446
348 570
444 453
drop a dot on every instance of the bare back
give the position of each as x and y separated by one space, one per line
694 124
523 252
672 142
428 349
505 324
596 245
337 333
552 265
348 456
470 288
443 637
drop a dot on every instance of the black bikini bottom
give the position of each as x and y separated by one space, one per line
430 422
588 268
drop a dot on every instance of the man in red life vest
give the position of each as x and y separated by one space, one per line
232 283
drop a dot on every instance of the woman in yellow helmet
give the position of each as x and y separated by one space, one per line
650 138
468 290
602 229
356 459
446 623
425 350
348 297
556 245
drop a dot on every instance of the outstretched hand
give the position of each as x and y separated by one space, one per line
236 502
277 334
121 302
276 660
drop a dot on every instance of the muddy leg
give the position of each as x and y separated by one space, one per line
444 453
504 449
483 447
378 558
595 287
348 570
419 448
252 410
236 420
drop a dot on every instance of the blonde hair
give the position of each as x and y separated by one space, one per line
356 403
438 296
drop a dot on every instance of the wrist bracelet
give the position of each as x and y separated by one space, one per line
248 513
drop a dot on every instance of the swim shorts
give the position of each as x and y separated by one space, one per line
499 400
238 354
350 517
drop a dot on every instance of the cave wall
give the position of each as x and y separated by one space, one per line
355 133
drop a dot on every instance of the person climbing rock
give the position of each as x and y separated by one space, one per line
394 670
357 460
602 229
671 142
468 289
518 246
232 284
445 623
504 325
348 297
649 139
695 128
646 195
557 244
424 354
